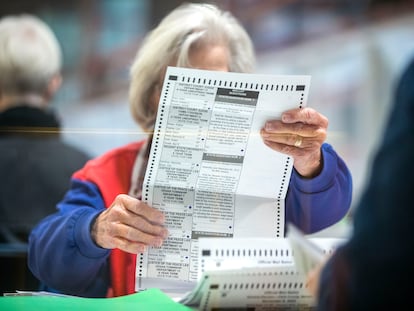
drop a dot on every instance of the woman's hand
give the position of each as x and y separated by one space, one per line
130 225
300 134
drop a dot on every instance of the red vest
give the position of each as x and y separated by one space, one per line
112 174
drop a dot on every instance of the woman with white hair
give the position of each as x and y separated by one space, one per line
90 247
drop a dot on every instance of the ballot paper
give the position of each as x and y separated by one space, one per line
209 170
307 253
254 273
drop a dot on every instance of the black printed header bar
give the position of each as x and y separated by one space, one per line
242 97
300 87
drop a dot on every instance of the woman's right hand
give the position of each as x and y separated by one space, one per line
130 225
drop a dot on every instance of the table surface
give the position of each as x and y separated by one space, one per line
151 299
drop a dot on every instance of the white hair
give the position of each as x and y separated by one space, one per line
169 44
30 55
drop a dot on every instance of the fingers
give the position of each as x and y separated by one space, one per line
130 225
141 209
294 141
301 129
290 131
138 241
304 128
300 134
305 115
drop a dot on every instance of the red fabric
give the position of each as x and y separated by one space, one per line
112 174
122 273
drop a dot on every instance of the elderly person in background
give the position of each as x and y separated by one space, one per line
35 163
89 247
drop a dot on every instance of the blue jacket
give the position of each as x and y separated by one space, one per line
63 255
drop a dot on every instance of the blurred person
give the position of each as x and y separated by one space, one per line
374 269
89 247
35 163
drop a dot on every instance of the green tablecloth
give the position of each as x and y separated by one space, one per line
151 299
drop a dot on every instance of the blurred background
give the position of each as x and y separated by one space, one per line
353 49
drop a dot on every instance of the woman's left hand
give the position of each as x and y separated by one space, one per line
300 134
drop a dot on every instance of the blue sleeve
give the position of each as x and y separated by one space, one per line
317 203
62 254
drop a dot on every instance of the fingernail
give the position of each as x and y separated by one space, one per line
286 117
264 133
161 218
141 249
158 242
165 233
268 126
